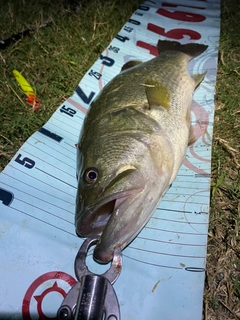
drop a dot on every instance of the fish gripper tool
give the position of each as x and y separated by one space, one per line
93 296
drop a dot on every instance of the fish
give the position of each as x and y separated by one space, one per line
132 143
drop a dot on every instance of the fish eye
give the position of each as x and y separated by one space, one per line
90 175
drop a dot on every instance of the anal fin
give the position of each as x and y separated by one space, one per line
192 138
198 78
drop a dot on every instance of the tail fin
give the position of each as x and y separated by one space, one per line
191 49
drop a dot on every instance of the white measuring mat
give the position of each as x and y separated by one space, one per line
164 267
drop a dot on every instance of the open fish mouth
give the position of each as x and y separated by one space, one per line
110 214
93 222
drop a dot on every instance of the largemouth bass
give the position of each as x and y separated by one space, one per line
132 144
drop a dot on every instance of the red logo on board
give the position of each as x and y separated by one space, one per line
55 284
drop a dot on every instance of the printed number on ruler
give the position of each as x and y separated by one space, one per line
106 61
109 62
6 197
85 98
95 74
181 15
114 49
68 111
132 21
26 162
174 33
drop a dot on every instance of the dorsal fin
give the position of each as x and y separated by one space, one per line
157 94
191 49
130 64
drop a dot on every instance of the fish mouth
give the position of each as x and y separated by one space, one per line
94 221
110 215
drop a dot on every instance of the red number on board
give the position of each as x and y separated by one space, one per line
174 33
152 49
166 4
181 15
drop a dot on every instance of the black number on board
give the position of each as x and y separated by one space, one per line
6 197
138 14
107 61
114 49
83 96
50 134
121 38
26 162
69 111
144 8
128 29
137 23
96 74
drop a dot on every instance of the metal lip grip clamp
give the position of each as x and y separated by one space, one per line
92 297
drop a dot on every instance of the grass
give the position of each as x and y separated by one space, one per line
54 59
222 298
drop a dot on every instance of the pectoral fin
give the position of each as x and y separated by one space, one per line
157 94
130 64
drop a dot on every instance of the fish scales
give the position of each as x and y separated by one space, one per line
132 144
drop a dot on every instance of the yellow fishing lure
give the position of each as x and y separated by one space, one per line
27 89
25 86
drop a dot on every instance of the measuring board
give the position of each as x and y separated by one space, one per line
164 267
